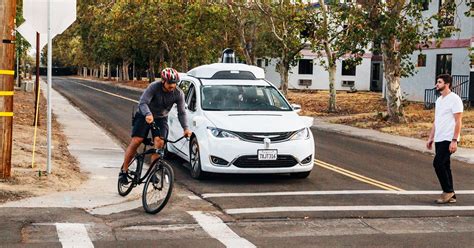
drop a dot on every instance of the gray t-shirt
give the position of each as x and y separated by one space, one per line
156 101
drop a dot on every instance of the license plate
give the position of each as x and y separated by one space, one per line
267 154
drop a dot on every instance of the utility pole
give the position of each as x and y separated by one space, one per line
36 122
7 63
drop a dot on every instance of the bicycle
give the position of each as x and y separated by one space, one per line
159 177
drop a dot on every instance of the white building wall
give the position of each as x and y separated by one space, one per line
271 73
320 77
461 21
413 88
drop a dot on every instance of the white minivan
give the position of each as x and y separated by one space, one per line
241 123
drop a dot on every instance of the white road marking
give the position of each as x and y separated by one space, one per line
116 208
73 235
334 192
106 92
347 208
217 229
177 227
194 197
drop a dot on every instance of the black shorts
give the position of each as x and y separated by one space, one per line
141 128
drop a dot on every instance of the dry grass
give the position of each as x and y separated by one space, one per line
27 181
367 110
315 103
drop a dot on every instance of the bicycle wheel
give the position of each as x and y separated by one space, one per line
125 188
158 188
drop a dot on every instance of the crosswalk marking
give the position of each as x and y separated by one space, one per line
329 192
217 229
347 208
73 235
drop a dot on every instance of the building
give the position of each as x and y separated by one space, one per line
309 74
452 57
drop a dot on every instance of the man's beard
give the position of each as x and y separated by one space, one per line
440 89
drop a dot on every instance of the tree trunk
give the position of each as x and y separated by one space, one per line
139 74
133 71
102 71
162 60
392 76
184 62
284 77
24 69
332 107
151 71
125 65
109 75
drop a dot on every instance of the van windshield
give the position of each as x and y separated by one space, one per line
242 98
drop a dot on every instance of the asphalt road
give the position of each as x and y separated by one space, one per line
353 181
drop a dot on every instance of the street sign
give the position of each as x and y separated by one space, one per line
29 34
63 14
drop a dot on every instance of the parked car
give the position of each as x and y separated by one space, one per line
241 124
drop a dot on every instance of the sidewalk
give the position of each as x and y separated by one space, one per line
462 154
98 154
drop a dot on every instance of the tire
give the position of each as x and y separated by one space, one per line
300 175
125 189
195 161
156 195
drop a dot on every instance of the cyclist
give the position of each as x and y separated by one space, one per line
155 103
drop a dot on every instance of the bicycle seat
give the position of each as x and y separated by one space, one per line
148 142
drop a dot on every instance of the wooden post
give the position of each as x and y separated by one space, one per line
7 63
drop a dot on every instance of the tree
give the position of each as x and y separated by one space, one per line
287 19
397 29
335 31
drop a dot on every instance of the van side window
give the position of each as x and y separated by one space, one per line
184 86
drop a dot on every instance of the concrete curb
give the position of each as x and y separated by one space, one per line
111 84
463 154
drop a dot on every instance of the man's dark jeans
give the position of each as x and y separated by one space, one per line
442 165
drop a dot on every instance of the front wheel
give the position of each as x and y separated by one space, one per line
158 188
195 160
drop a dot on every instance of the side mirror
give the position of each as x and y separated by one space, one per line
198 121
308 121
296 107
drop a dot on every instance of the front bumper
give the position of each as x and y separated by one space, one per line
242 156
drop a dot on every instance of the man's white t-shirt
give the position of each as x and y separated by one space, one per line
445 109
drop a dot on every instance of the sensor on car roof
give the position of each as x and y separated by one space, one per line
228 56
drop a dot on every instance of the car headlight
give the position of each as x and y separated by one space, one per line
301 134
219 133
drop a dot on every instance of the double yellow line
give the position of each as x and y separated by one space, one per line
356 176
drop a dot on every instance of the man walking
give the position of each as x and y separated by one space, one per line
445 133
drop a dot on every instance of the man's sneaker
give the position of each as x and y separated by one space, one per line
446 198
123 177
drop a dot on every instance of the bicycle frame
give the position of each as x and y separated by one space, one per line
141 159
